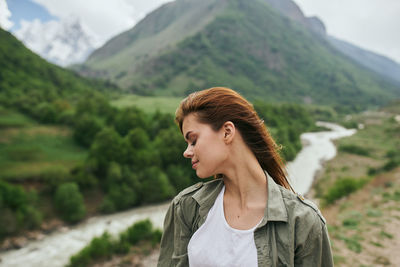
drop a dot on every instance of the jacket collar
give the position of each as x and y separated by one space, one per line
274 211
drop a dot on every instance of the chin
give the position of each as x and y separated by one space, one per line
203 175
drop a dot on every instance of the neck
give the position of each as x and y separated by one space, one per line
245 181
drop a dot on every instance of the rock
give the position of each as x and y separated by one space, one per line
6 245
19 242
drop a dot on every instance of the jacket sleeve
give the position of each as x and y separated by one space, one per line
176 235
167 239
316 250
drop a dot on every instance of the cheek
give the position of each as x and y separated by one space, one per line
213 153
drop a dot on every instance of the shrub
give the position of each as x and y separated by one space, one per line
69 202
142 230
342 187
354 149
104 246
391 164
17 209
99 247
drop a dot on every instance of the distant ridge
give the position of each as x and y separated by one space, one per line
375 62
378 63
266 49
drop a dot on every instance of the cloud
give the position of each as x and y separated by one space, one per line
105 18
62 42
5 15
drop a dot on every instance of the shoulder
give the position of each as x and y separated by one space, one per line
201 187
300 208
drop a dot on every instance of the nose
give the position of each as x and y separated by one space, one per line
188 153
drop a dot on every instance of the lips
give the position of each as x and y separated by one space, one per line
194 164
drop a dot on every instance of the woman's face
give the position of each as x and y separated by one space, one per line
206 147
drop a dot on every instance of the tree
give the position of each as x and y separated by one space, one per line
170 145
128 119
86 128
69 202
154 185
106 148
179 177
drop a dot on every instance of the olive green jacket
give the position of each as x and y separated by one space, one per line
291 233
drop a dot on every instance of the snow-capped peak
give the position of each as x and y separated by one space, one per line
63 42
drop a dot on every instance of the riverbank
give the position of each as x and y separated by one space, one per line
363 226
56 249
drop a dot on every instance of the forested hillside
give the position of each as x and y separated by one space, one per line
32 85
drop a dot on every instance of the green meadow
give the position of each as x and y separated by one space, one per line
28 149
148 104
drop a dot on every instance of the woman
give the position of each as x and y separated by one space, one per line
248 215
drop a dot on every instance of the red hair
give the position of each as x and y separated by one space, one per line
217 105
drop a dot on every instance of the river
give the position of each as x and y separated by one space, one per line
317 148
56 249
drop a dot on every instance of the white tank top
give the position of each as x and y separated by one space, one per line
216 244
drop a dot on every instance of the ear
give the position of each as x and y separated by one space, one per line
228 130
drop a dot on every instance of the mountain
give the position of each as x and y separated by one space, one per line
251 46
27 80
380 64
377 63
61 42
160 30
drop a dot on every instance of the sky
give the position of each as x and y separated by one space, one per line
370 24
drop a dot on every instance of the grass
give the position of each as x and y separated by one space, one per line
374 213
353 242
385 234
31 149
352 220
9 118
149 104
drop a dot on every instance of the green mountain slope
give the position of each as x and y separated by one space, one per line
247 45
163 28
27 80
